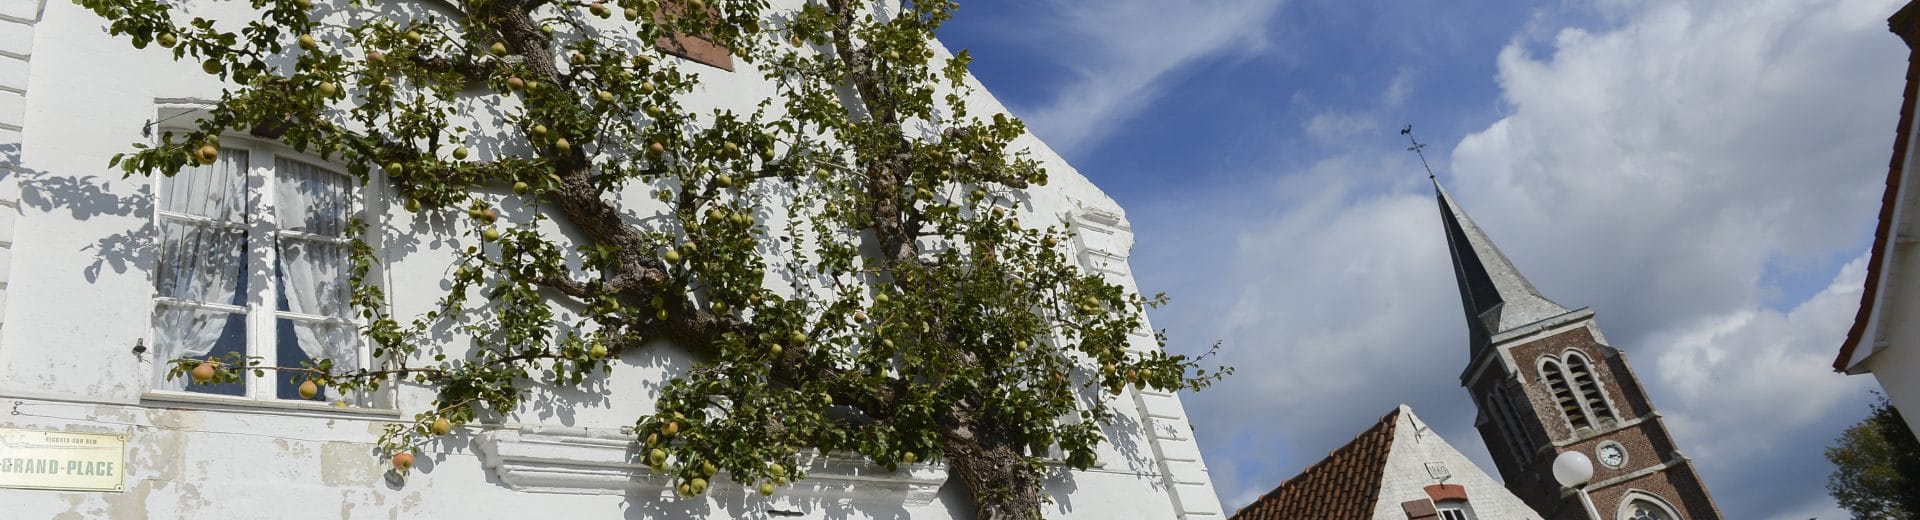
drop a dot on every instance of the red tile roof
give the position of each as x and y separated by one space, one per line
1343 486
1905 23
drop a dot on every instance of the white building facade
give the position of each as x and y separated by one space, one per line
89 265
1885 337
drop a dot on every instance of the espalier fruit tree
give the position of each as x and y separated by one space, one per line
844 258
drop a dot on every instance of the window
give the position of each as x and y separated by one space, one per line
1508 423
261 271
1643 510
1453 510
1556 381
696 47
1641 505
1589 388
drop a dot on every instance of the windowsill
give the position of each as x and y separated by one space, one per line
190 401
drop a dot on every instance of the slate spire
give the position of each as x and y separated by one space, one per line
1496 297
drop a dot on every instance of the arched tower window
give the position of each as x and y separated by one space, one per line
1588 387
1508 423
1640 505
1563 394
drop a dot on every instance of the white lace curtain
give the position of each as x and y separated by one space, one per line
202 259
313 264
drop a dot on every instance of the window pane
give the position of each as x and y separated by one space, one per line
216 191
310 199
313 278
201 263
186 332
301 343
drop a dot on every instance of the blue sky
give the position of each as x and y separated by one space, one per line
1702 173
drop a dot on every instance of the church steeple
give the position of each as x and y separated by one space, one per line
1496 297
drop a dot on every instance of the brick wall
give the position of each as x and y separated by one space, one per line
1653 466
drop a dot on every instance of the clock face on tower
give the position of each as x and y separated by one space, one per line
1612 454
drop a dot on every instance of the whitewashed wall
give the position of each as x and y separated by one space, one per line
76 297
1420 458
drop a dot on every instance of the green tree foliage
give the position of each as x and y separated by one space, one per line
846 259
1877 467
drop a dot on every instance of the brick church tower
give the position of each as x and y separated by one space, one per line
1546 382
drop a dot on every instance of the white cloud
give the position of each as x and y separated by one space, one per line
1694 173
1124 53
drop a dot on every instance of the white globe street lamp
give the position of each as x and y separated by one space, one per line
1573 469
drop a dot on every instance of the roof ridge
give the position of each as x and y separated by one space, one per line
1372 445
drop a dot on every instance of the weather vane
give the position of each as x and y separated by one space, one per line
1417 149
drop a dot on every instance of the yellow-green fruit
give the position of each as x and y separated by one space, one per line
307 42
657 455
203 372
606 97
708 468
716 214
413 37
515 83
303 4
766 488
910 458
672 428
653 438
327 88
522 188
309 389
441 426
777 470
726 181
413 205
166 40
699 486
1020 345
395 168
598 351
656 149
498 49
672 255
208 153
211 67
460 153
685 490
562 145
491 234
633 14
539 130
797 338
775 349
546 29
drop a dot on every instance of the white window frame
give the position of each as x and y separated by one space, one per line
1625 511
1599 388
1458 508
261 312
1540 369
